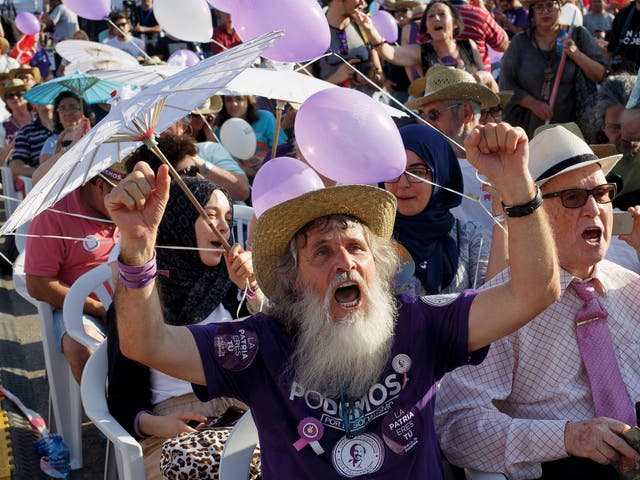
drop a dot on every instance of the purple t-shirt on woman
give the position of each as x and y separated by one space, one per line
302 433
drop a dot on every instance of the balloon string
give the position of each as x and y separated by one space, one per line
493 219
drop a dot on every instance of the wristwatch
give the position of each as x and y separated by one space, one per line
525 209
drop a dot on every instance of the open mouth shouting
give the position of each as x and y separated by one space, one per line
592 235
348 295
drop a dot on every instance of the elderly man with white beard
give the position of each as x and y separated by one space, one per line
340 367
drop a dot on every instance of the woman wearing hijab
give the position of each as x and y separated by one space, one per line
449 255
196 287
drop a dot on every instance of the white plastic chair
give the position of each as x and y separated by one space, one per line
8 190
64 392
126 450
238 450
477 475
92 281
242 215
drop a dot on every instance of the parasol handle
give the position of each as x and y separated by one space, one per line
150 143
144 54
279 108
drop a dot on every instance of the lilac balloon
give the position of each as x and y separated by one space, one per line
279 180
386 25
183 58
349 137
223 5
92 10
27 23
306 31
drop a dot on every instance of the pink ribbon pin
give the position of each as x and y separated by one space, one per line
310 431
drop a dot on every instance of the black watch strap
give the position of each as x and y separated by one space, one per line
525 209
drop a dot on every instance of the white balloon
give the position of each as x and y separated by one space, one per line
188 20
238 137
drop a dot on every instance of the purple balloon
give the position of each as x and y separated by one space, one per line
306 31
279 180
386 25
27 23
93 10
348 137
223 5
183 58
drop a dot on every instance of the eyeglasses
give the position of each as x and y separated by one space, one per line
434 113
122 25
423 173
495 113
68 108
13 95
190 171
577 197
541 7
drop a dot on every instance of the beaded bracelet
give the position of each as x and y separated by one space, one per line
138 276
251 291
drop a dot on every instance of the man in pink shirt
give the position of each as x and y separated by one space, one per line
52 265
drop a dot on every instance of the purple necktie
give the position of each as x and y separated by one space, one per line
610 397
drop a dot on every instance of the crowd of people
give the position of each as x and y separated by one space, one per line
512 344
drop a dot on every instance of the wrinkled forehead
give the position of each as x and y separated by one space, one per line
324 229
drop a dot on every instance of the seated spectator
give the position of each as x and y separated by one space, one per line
263 123
539 405
452 101
12 94
200 287
530 64
71 120
52 265
29 141
182 153
121 37
612 98
449 255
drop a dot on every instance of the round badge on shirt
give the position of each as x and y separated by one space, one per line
235 346
359 455
90 243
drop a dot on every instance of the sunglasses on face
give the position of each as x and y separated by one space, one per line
190 171
577 197
13 95
495 112
68 108
434 113
420 172
122 25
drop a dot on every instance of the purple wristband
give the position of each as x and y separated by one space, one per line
137 420
251 291
138 276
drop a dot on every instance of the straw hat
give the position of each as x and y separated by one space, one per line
505 96
13 85
556 150
4 46
601 150
396 4
449 83
35 71
211 105
276 227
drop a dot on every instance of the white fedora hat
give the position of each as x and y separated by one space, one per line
556 150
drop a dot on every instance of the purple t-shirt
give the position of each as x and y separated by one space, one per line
246 360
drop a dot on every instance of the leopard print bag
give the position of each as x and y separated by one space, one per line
196 455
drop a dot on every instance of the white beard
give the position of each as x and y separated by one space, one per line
348 356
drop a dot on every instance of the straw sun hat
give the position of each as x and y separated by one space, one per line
374 206
449 83
13 85
556 150
210 106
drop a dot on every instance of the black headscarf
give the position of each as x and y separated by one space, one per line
192 290
426 235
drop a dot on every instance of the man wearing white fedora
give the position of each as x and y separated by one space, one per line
339 366
553 398
451 100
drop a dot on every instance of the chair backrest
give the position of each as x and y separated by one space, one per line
19 281
92 281
128 453
238 450
242 215
8 190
